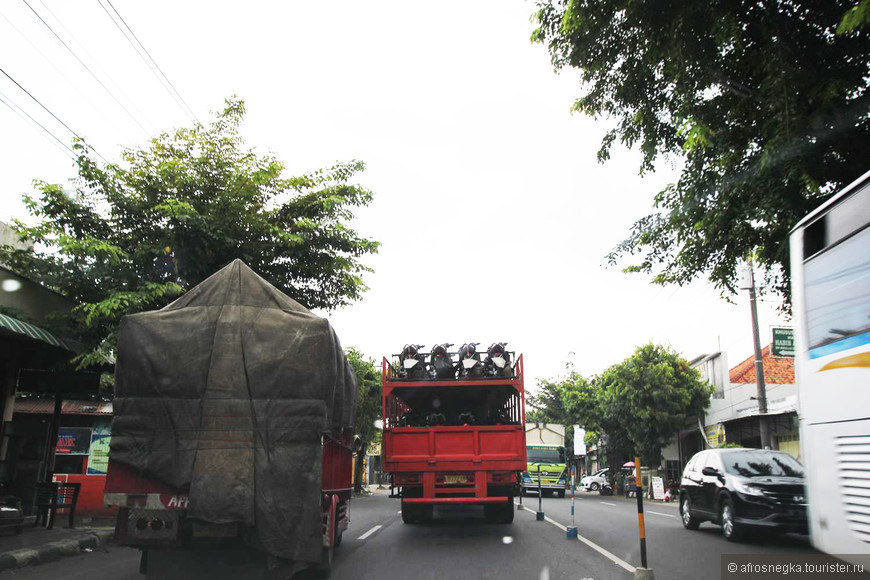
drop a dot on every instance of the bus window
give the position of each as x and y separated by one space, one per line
837 286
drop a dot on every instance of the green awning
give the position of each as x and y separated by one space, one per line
18 329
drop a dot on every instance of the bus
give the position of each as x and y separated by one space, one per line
830 263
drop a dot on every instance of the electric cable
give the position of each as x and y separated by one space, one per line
105 88
21 113
165 79
52 114
99 68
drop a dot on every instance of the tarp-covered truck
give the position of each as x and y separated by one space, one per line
231 440
451 440
545 450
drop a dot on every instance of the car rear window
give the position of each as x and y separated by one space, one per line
761 464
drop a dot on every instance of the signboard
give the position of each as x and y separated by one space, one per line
98 461
715 434
658 488
73 441
579 441
782 342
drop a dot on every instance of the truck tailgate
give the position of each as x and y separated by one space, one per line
490 447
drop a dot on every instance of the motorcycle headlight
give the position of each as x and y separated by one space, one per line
748 489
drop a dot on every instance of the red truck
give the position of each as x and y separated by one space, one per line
231 441
451 440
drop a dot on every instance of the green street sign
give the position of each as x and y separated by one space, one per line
782 344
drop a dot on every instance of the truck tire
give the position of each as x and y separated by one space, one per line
561 493
501 513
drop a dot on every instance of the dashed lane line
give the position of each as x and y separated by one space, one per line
661 514
370 532
605 503
615 559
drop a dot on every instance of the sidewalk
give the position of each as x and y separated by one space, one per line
38 545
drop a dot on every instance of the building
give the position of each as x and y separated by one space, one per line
82 450
733 413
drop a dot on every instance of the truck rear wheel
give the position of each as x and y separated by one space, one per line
416 513
502 513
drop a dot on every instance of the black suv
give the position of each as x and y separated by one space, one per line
744 489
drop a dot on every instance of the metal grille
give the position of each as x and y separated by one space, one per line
853 472
147 524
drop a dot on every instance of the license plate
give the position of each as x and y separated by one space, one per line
455 479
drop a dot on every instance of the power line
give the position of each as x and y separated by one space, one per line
115 85
105 88
21 113
173 92
49 112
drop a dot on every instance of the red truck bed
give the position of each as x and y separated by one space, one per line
478 461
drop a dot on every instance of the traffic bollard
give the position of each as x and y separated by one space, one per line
572 529
539 516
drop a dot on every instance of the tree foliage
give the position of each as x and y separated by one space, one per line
765 103
132 236
638 405
368 405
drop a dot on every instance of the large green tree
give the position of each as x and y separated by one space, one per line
650 395
637 406
132 236
764 104
369 403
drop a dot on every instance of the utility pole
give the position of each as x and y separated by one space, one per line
763 427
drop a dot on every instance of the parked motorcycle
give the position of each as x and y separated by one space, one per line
498 361
470 365
441 363
413 362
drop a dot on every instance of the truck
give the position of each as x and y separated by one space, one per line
454 440
232 434
547 464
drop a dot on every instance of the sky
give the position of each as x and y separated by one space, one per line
493 214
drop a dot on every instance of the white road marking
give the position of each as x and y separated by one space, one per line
370 532
615 559
605 503
661 514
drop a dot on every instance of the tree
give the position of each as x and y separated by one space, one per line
649 396
764 103
133 236
368 406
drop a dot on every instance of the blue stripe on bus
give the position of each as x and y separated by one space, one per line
840 345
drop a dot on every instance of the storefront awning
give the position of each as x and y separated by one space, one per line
13 328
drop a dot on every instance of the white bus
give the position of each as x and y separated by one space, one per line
830 262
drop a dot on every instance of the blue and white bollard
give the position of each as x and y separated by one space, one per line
572 529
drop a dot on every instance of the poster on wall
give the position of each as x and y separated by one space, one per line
98 462
73 441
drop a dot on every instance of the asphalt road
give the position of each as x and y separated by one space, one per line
460 544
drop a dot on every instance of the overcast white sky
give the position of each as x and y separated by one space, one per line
493 214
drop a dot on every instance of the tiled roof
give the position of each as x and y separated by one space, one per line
46 407
777 371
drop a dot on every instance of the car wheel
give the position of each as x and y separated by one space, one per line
593 486
690 522
732 531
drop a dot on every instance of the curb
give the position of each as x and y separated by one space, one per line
54 550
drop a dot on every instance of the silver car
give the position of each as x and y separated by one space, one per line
595 481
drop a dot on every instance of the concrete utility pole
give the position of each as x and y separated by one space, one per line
763 426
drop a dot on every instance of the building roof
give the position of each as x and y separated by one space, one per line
46 407
777 370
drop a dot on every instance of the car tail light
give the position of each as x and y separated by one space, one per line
502 477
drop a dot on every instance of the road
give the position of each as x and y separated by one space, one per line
460 544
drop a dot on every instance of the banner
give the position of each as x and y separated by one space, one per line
716 435
73 441
98 461
579 441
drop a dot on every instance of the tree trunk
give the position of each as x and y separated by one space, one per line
358 468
